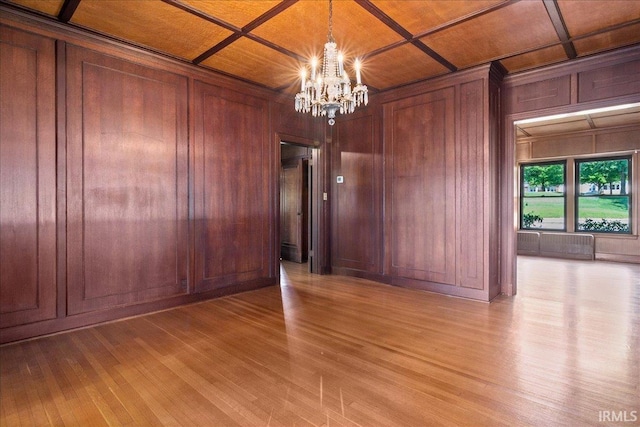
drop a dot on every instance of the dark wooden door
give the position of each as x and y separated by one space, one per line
293 210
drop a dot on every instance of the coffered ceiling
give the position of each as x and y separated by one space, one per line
403 41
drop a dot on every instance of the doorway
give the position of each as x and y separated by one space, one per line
297 223
551 218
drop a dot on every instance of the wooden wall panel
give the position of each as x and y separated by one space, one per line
27 178
492 197
597 141
541 94
127 172
472 187
562 146
232 177
356 205
609 82
622 140
420 188
523 151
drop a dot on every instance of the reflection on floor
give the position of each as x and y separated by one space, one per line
341 351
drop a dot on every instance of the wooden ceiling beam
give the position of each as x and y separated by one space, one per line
209 52
435 55
465 18
68 9
561 29
523 131
237 32
275 47
607 29
192 10
268 15
389 22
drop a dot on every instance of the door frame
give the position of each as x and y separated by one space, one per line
316 219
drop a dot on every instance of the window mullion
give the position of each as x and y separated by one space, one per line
570 196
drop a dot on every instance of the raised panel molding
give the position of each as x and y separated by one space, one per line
232 194
420 188
98 210
472 187
356 204
127 182
27 178
609 82
543 94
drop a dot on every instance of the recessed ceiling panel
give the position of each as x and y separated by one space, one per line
49 7
303 29
255 62
535 59
582 17
399 66
419 16
610 40
151 23
507 31
235 12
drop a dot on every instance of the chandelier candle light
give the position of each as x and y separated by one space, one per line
330 90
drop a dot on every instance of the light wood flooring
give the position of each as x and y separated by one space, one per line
340 351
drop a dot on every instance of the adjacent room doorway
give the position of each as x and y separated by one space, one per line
297 225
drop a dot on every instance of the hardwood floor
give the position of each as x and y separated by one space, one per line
342 351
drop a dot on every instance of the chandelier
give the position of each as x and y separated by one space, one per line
329 90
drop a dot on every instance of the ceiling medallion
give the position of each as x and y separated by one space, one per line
330 90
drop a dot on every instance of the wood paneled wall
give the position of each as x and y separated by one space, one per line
435 155
420 226
232 176
130 183
28 179
357 200
127 182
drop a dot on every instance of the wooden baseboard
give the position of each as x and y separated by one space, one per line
47 327
376 277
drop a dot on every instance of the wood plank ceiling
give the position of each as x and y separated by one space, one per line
266 42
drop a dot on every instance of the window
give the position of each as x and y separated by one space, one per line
603 201
542 201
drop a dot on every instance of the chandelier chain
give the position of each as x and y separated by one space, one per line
330 35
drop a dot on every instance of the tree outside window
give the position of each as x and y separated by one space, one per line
603 200
542 201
